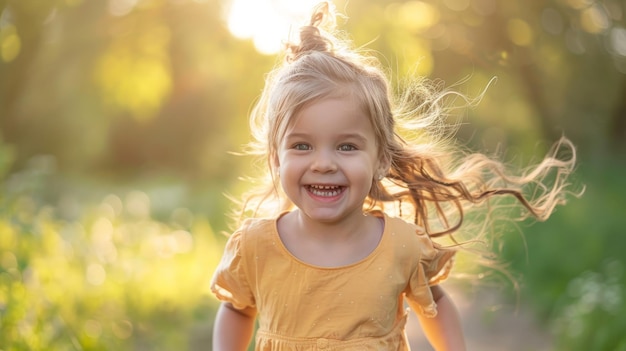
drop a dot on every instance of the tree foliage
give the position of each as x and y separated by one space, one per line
163 85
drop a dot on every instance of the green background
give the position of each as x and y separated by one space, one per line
117 133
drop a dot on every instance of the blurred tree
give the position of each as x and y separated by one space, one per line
560 64
21 31
155 85
139 86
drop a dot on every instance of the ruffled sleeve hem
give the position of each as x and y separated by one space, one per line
230 280
439 270
225 296
434 267
429 311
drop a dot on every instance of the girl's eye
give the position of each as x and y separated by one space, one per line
347 147
301 147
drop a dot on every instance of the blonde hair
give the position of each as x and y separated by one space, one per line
430 180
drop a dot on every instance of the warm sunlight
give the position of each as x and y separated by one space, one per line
268 23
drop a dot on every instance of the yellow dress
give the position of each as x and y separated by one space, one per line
355 307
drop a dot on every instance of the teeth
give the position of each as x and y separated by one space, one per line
325 187
325 190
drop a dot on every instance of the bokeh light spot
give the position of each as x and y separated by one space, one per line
102 230
8 260
579 4
138 204
115 203
183 240
519 32
135 73
416 16
594 19
10 43
618 40
121 7
122 329
92 328
96 274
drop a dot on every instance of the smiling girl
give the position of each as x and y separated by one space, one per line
329 266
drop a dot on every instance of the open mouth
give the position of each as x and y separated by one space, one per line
325 190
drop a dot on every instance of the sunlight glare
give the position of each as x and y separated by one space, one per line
618 40
269 23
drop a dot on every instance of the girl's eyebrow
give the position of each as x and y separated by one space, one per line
358 136
296 135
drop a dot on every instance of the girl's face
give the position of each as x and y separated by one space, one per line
328 159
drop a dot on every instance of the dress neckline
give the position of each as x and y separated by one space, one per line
383 239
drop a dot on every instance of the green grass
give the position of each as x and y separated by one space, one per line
103 275
573 269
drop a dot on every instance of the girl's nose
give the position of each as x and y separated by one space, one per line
324 162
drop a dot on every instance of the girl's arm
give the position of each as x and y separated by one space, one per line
233 328
444 332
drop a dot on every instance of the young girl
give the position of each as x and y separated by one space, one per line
341 237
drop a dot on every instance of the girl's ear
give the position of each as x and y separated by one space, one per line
275 162
383 167
385 163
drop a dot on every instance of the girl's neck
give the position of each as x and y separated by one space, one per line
344 229
330 244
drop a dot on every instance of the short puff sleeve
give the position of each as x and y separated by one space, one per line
434 266
230 280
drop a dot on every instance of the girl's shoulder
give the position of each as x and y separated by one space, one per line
398 225
254 224
407 234
255 231
256 227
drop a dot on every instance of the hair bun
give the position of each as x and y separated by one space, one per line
312 37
